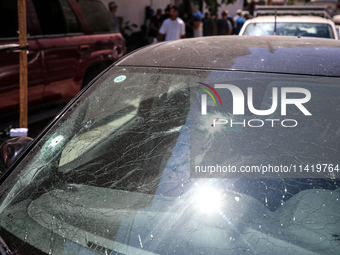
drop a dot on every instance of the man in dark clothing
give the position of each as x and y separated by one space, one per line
155 24
223 25
113 9
166 15
189 25
208 26
206 15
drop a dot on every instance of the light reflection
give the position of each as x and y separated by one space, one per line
209 199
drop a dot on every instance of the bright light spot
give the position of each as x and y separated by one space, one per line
56 141
237 199
258 32
209 200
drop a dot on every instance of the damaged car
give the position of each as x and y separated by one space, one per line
214 145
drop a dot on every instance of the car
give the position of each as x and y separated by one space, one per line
70 42
213 145
291 21
336 20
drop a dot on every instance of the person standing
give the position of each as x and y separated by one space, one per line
113 9
198 25
208 26
155 24
189 25
166 14
223 25
238 22
172 28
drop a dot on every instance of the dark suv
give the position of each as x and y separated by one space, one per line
70 42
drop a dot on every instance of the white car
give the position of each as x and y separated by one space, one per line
290 25
336 20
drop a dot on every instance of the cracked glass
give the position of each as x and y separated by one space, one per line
125 169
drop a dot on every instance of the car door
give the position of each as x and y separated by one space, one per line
9 59
61 46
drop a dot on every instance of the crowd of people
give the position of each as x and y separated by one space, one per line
168 25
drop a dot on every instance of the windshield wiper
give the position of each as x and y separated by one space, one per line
4 250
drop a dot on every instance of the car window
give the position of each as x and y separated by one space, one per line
56 17
72 22
8 19
143 163
97 15
290 29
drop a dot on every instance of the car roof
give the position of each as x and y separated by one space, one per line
292 19
297 10
276 54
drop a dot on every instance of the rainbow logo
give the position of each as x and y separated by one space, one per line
213 90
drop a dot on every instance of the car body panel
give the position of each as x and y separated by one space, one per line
9 77
291 19
257 54
67 58
57 63
338 29
110 174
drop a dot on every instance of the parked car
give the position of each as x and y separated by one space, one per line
290 21
336 20
69 41
214 145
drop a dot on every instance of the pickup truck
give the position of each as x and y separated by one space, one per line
69 43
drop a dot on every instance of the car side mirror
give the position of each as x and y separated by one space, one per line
11 149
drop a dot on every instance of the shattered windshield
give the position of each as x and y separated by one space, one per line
160 161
